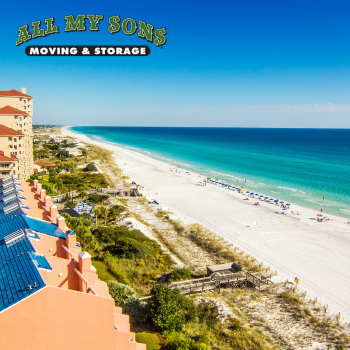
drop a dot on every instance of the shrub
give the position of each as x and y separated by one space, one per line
90 167
121 293
97 198
179 274
165 310
130 248
137 310
178 341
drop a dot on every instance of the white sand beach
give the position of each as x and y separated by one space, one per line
318 253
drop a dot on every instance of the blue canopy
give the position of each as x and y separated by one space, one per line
247 192
288 204
266 197
261 196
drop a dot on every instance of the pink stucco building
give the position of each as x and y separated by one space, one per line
50 294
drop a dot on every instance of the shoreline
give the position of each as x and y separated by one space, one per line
315 252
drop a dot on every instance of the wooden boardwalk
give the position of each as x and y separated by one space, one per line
216 281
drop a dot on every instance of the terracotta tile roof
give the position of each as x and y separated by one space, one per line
14 93
44 163
5 158
11 110
5 131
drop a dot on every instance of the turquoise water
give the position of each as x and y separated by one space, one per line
300 166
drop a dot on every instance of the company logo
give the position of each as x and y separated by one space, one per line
81 23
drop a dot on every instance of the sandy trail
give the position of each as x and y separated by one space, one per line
318 253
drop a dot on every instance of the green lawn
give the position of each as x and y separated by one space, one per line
102 271
150 339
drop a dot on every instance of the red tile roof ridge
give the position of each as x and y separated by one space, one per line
14 93
12 111
6 131
4 158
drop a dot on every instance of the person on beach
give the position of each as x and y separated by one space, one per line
321 210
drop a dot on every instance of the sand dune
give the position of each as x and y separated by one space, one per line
294 246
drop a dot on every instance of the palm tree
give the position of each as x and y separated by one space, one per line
59 185
104 212
96 212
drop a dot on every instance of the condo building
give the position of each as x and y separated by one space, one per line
16 112
50 294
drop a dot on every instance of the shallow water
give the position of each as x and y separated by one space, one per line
295 165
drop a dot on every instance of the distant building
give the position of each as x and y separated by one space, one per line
38 166
16 111
71 152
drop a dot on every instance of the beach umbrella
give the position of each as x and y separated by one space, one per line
288 204
276 200
271 199
319 215
261 196
266 197
251 192
247 192
282 202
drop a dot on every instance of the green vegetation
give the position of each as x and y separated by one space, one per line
102 271
169 309
90 167
179 275
129 256
198 326
121 293
150 339
97 198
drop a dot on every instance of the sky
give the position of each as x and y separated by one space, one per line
253 63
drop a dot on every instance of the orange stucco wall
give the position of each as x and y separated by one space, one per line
69 278
56 319
46 243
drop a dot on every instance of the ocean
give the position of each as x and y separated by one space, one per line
299 166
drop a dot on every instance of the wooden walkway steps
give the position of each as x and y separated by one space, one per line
215 281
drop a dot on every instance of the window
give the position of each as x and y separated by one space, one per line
11 146
15 139
16 117
4 173
5 166
10 138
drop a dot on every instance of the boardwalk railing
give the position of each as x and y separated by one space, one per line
215 281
